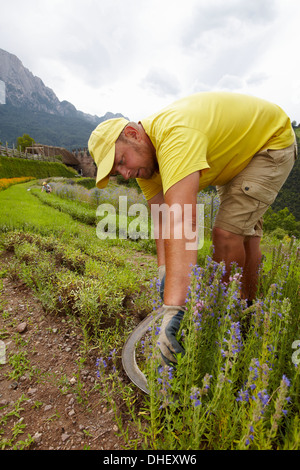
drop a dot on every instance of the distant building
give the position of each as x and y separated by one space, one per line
80 160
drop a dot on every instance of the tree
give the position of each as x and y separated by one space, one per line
25 141
282 220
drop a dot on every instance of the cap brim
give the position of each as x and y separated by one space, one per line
101 184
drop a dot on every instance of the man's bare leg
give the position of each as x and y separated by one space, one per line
251 267
245 252
228 247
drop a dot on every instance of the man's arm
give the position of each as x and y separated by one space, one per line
172 251
178 258
174 237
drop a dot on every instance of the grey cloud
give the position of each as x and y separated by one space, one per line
233 60
226 66
257 79
230 82
99 41
224 40
230 15
91 63
161 82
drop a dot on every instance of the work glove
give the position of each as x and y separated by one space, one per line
167 342
162 277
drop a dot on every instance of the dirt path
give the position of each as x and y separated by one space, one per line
50 403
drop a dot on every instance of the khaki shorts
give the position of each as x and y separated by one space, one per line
245 199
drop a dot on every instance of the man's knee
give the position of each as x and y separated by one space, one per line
220 235
228 247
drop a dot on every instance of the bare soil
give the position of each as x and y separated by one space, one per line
59 407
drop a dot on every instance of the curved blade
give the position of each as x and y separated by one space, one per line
128 353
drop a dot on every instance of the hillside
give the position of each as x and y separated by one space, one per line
49 129
289 195
29 106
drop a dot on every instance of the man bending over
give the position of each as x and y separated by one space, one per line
245 146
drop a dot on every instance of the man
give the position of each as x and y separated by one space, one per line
243 145
46 187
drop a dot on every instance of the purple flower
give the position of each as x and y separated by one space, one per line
286 381
243 395
157 331
264 397
165 377
195 395
101 365
250 436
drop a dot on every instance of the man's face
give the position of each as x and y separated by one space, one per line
134 160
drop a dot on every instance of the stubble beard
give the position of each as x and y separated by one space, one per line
150 160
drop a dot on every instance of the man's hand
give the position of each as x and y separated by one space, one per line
167 342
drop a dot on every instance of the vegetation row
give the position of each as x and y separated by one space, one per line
12 167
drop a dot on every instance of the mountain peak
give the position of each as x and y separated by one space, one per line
24 90
27 105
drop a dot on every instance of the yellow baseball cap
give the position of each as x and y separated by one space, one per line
102 147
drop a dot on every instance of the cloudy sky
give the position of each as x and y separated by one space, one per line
136 56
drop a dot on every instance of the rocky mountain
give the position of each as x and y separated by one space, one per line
27 105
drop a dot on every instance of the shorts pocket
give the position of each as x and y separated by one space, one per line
259 192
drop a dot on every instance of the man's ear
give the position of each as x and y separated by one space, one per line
132 132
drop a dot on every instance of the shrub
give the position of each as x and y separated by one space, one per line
7 182
11 167
236 387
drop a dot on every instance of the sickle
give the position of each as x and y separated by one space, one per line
128 352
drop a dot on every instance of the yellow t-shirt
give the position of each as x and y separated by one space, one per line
215 132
